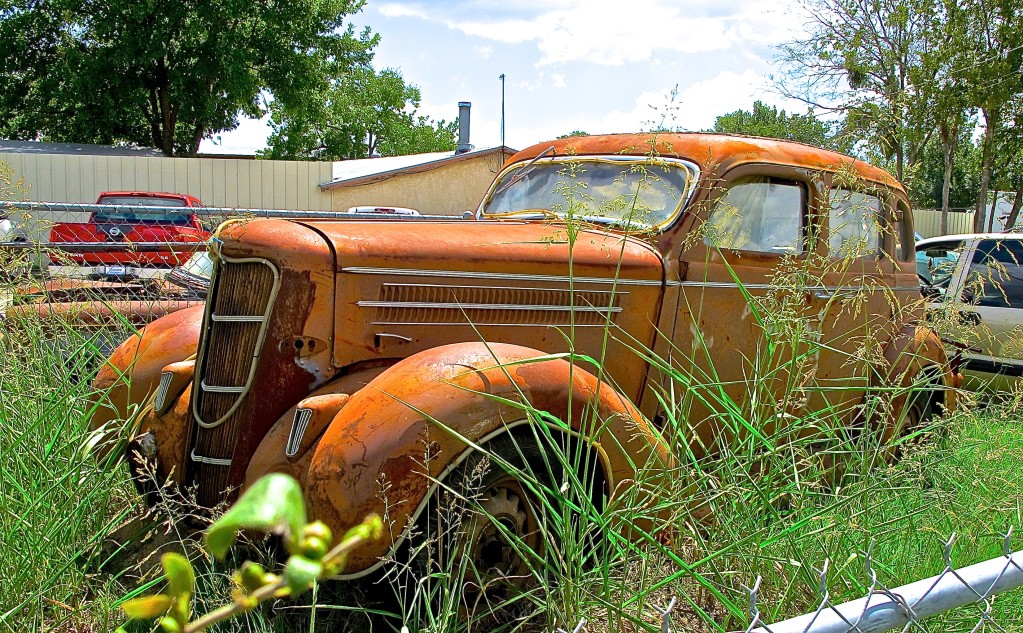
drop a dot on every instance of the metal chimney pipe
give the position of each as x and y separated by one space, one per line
463 127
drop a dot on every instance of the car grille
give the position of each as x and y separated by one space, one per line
237 313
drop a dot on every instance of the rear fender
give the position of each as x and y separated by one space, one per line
394 439
915 352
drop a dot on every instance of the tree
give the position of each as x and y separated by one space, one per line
857 59
165 74
940 82
993 36
767 121
361 113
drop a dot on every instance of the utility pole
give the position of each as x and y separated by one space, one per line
502 108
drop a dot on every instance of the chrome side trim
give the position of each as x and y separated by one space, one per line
208 320
299 424
485 324
212 461
732 284
463 274
161 391
484 306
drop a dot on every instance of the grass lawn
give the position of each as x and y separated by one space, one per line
60 514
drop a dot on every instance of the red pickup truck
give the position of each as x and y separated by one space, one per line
123 224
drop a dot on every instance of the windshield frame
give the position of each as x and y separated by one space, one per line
692 169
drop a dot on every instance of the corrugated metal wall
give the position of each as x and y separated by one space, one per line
927 222
218 182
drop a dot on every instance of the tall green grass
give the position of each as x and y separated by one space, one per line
56 502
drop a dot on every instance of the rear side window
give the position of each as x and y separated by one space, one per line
996 275
761 215
855 224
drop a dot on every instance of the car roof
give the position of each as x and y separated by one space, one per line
150 194
709 151
970 236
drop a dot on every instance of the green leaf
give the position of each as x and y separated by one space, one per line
180 577
148 607
272 504
300 574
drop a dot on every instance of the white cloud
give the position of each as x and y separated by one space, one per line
558 81
608 33
402 10
703 101
484 51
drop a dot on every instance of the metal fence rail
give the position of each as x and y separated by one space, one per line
54 209
906 607
884 609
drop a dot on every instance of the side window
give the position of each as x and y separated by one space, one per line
996 275
855 224
759 214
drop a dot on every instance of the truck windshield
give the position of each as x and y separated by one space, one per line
121 214
629 193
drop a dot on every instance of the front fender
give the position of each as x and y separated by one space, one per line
397 436
131 374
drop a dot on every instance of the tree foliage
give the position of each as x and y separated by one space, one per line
768 121
165 74
362 113
912 77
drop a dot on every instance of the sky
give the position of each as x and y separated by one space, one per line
597 66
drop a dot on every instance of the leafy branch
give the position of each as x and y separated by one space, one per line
274 504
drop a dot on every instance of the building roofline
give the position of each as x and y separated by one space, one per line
413 169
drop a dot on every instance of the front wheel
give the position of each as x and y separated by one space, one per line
483 538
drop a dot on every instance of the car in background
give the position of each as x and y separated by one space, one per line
975 290
123 225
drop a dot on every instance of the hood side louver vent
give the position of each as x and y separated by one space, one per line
435 304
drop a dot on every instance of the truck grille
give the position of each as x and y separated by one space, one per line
237 312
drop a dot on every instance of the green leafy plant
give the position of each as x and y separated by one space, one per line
273 505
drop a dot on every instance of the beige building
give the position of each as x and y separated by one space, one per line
440 183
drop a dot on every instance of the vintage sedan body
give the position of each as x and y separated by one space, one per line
342 351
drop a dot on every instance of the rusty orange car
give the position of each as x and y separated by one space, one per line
361 355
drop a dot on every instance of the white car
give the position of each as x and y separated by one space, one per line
975 288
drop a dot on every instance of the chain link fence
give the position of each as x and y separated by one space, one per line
904 608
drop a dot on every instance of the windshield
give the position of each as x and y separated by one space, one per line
630 193
120 215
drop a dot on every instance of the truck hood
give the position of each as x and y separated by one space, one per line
500 247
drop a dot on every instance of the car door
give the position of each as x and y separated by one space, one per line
856 299
727 340
992 311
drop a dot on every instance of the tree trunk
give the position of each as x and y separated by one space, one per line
991 217
1017 202
947 145
990 121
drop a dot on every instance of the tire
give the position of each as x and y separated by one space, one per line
483 536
